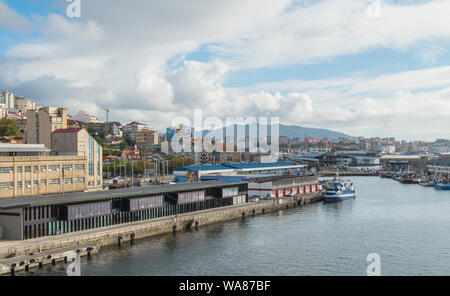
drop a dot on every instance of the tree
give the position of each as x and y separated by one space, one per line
91 130
123 146
9 128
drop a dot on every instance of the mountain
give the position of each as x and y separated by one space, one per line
295 132
298 131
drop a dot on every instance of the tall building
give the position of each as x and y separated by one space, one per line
23 104
41 123
7 99
30 170
79 142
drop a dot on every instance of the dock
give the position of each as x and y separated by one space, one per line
39 259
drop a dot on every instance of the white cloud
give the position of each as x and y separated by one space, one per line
116 55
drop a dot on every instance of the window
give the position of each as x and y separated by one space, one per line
79 180
43 168
53 168
19 169
54 181
91 183
28 184
19 184
27 169
91 156
67 167
6 185
68 181
6 170
79 167
43 182
35 168
35 183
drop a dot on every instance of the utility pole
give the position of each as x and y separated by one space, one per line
132 161
107 114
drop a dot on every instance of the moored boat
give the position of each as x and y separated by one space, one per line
340 190
442 186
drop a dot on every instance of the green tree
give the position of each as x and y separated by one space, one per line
9 128
123 146
91 130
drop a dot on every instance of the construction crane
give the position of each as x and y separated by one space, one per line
107 114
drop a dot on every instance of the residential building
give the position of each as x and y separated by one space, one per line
106 129
130 130
3 111
22 104
41 123
147 141
29 170
132 155
78 142
7 99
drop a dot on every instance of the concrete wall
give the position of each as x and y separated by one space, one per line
12 224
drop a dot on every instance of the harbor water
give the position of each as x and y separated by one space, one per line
407 225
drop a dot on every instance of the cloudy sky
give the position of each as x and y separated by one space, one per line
339 64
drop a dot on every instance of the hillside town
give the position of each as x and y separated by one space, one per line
85 153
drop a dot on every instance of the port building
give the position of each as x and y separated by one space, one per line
282 186
412 163
40 216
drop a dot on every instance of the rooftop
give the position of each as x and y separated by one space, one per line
71 198
406 157
68 131
276 178
23 148
238 166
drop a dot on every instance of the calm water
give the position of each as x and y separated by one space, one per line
407 225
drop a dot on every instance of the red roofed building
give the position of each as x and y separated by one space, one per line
131 155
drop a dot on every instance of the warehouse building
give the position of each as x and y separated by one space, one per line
27 218
200 172
282 186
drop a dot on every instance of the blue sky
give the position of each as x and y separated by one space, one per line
326 64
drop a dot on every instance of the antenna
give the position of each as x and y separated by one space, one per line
107 114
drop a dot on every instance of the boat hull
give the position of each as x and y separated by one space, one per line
442 186
338 197
427 184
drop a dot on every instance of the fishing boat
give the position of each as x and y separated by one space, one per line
339 190
442 186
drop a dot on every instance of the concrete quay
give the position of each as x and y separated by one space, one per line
27 262
119 234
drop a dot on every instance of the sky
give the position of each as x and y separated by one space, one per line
363 67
